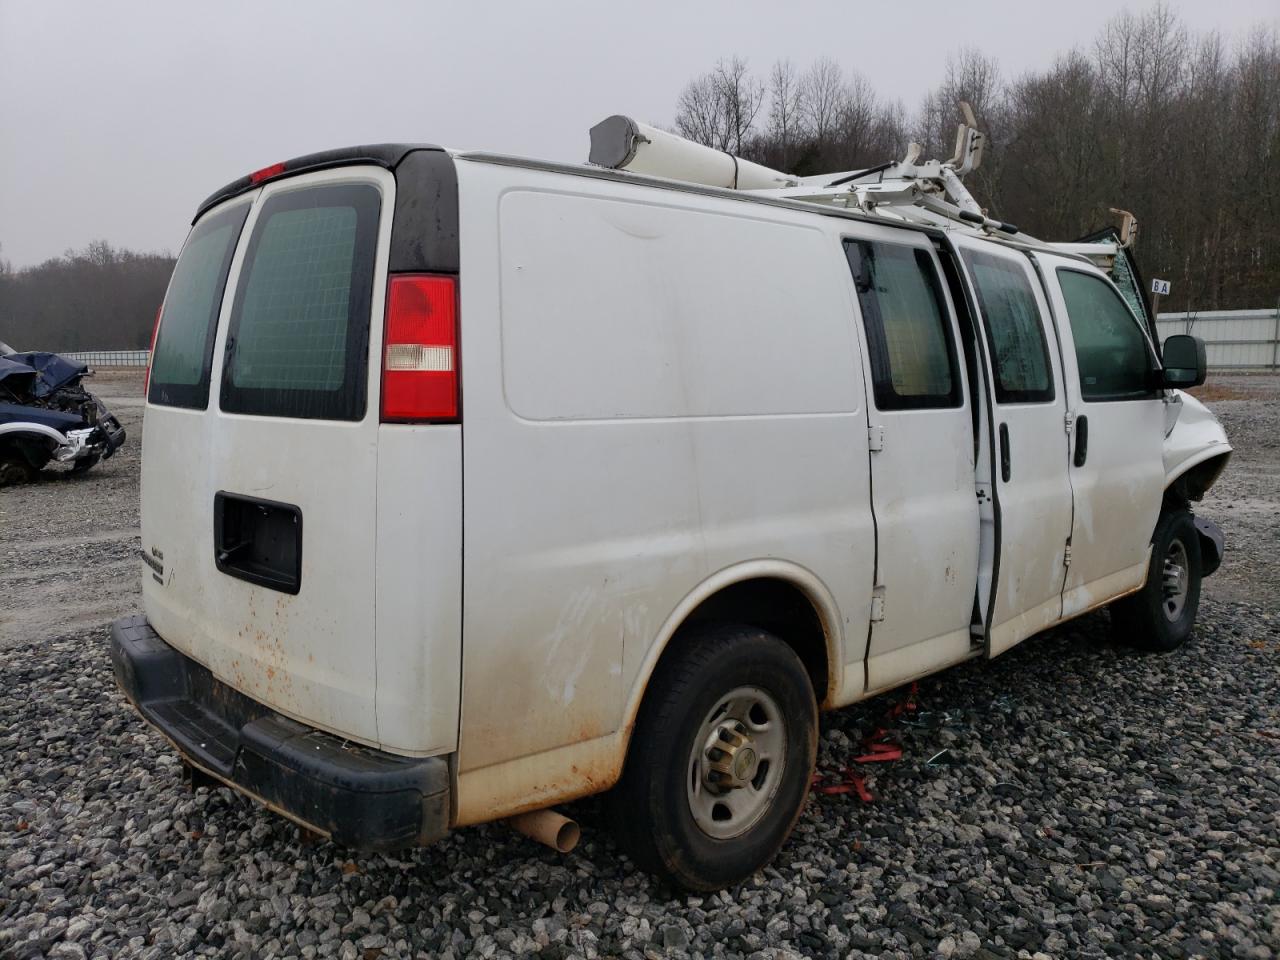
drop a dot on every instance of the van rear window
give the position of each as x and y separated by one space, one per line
298 340
183 351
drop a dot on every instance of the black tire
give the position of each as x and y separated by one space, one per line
652 807
15 468
1151 619
85 464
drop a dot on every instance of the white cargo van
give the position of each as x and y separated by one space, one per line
472 485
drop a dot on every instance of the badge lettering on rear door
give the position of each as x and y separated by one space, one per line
154 560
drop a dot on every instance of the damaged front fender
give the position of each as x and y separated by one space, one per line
1195 453
1195 447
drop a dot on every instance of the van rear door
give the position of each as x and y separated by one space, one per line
260 463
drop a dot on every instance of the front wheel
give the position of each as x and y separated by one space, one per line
15 468
85 464
1161 615
720 761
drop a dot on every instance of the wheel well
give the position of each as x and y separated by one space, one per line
34 448
1192 485
771 604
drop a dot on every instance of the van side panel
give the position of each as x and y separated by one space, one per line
654 390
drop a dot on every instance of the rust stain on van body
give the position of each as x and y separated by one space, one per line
262 671
594 770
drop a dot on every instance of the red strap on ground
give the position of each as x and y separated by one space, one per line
879 747
879 752
847 782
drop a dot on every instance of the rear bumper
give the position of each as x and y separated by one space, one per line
357 796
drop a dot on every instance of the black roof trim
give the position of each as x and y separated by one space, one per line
387 155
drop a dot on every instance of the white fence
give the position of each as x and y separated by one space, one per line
111 358
1235 339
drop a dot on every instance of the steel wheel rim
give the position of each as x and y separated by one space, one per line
736 764
1175 581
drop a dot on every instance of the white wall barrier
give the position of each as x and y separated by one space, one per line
1235 339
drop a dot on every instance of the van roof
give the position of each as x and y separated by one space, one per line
386 155
390 155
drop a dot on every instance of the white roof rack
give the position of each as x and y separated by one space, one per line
930 192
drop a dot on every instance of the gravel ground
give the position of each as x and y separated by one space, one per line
1137 815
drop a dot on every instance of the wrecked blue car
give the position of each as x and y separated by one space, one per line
47 415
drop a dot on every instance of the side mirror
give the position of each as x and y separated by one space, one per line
1184 362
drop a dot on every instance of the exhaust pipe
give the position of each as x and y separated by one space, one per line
547 827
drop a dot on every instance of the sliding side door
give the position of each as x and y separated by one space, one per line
922 459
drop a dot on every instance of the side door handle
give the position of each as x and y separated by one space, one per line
1082 441
1006 469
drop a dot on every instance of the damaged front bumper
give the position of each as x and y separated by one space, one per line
357 796
99 441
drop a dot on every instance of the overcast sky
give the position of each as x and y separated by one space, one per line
117 118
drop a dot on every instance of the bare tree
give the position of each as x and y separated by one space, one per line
700 113
859 109
742 95
1161 55
719 108
1183 130
786 125
1115 51
824 92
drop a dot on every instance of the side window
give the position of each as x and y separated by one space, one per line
183 353
1111 351
1015 330
913 358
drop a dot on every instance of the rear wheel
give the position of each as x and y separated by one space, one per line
1161 616
720 761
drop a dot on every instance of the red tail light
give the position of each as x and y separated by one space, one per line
420 352
151 354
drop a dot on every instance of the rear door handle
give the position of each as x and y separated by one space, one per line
1082 441
1006 469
